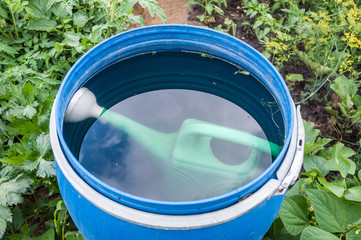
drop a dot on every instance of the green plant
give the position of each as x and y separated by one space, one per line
324 204
264 23
230 25
350 105
325 35
209 6
39 41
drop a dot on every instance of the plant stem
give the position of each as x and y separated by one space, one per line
354 177
205 4
2 32
112 14
311 95
12 15
326 80
356 226
63 228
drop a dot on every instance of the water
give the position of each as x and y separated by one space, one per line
120 160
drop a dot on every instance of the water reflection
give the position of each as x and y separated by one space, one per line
118 160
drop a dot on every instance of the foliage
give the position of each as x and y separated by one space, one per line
264 22
318 207
230 25
39 41
324 35
350 105
209 6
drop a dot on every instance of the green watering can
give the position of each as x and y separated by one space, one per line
185 154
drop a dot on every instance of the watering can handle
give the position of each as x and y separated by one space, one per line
197 127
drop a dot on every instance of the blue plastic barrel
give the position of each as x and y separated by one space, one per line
104 212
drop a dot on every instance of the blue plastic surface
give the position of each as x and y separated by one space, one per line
172 38
95 224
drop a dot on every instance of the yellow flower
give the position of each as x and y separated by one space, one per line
307 18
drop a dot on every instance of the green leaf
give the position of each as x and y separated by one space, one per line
338 159
43 144
43 167
329 216
80 19
42 25
296 188
336 188
346 89
73 236
339 163
25 230
60 206
354 234
63 9
127 6
218 10
46 168
29 91
314 233
160 13
96 35
284 235
354 194
314 162
153 7
257 24
11 191
313 143
339 147
7 49
294 77
40 8
192 2
332 213
17 153
71 39
209 8
359 174
294 214
331 111
318 68
266 53
29 111
5 216
201 18
18 219
48 235
3 13
15 236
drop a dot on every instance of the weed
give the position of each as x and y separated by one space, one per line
350 105
230 25
209 6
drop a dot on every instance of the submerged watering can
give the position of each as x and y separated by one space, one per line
184 153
